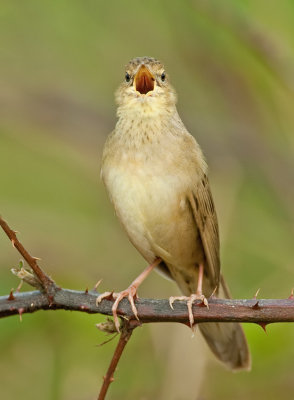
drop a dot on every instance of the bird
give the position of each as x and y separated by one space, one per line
156 177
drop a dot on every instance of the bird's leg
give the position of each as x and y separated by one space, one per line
190 300
130 293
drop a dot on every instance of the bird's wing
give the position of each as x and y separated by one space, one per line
206 220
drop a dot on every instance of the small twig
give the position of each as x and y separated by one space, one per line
47 283
126 333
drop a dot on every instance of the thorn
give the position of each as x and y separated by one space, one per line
291 297
16 232
256 305
109 340
20 311
86 291
110 379
19 286
97 284
11 296
109 296
50 300
263 325
213 293
13 243
256 294
37 258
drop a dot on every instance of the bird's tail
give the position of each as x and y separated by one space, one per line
227 339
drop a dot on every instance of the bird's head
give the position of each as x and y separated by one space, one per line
146 89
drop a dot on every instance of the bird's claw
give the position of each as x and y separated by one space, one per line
105 295
130 293
190 300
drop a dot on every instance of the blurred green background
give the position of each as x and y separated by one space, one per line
231 63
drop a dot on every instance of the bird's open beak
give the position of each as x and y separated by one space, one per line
144 80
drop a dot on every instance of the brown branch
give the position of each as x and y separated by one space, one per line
151 310
257 311
126 332
261 312
47 283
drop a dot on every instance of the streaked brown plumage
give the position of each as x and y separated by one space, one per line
156 177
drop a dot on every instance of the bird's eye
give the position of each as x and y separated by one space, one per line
128 77
163 77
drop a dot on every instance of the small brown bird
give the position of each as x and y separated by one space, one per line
156 178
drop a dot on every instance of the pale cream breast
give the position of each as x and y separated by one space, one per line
148 186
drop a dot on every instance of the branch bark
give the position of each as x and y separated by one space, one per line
52 297
126 333
151 310
46 282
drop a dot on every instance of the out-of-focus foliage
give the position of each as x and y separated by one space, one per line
232 64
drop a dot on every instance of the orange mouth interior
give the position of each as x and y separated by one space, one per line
144 80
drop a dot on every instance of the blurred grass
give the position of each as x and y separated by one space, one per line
231 64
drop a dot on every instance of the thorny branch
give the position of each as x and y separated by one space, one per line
47 283
52 297
126 332
152 310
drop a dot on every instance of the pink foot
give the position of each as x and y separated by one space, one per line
190 300
130 293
